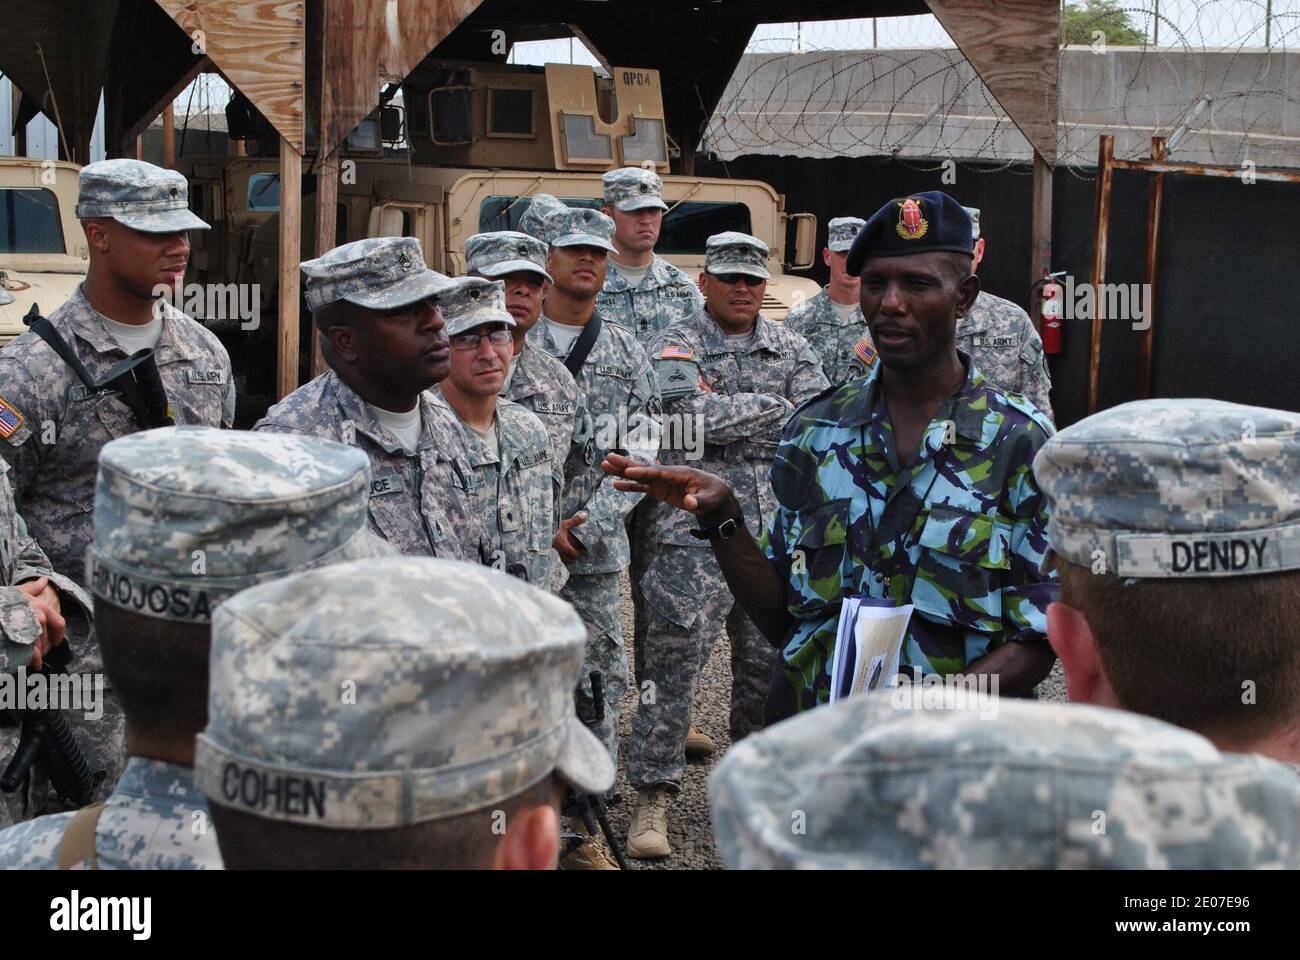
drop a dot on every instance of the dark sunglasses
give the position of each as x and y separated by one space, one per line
731 279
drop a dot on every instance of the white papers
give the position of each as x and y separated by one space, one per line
868 646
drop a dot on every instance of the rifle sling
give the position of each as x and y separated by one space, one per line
582 346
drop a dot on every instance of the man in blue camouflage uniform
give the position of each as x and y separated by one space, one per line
884 782
137 220
912 485
184 518
734 377
1175 532
643 292
375 304
999 336
516 483
832 321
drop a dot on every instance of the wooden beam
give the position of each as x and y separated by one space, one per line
258 44
327 196
290 239
20 128
1014 45
169 135
1155 199
1040 239
369 44
1105 153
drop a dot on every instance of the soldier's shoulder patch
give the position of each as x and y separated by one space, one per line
11 419
865 351
674 352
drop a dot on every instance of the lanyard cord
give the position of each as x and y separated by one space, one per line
873 550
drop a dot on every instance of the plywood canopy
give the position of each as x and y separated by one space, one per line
259 46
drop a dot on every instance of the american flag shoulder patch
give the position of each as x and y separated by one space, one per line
672 352
10 419
865 350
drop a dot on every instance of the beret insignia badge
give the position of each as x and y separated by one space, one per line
911 225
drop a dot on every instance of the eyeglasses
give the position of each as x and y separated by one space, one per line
731 279
470 340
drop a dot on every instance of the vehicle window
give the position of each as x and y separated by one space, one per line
686 226
29 221
264 192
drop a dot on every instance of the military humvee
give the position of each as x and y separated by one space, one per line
43 253
483 138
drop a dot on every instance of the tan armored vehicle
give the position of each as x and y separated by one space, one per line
482 139
43 253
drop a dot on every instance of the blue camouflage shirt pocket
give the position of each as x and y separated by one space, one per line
818 548
963 562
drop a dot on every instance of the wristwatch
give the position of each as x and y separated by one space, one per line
723 531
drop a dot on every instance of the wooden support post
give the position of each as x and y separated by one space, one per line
1040 260
169 136
238 148
20 129
1105 153
1155 197
327 196
290 245
139 147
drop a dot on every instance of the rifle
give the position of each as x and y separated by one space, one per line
136 378
45 735
590 807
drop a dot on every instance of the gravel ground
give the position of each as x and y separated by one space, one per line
690 829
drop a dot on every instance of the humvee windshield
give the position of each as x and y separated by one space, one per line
29 221
264 192
686 226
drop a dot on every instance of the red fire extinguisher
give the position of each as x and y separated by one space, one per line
1051 313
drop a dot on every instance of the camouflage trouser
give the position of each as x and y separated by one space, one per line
687 603
595 597
639 528
102 740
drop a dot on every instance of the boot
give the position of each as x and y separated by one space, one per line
589 855
699 745
647 837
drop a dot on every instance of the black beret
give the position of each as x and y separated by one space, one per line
921 223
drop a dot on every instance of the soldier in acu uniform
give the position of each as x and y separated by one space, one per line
384 339
832 321
451 753
619 391
516 487
1175 532
737 377
54 420
883 784
536 379
1001 339
643 292
184 518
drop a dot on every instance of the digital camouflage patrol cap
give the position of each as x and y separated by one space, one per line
137 195
1175 488
889 780
974 214
558 225
471 302
733 252
367 696
504 252
185 517
633 188
841 231
380 273
922 223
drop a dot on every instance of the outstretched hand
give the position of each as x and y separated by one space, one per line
685 488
